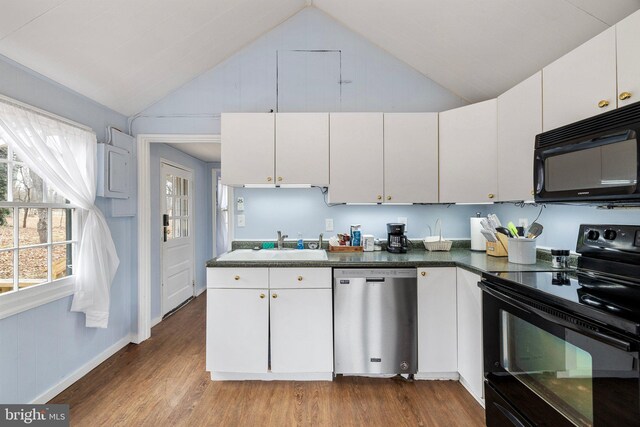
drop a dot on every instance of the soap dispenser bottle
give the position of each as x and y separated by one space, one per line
300 241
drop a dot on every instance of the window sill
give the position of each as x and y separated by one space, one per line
32 297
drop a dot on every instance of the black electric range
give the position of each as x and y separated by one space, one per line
563 347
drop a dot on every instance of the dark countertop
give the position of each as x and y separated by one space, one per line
477 262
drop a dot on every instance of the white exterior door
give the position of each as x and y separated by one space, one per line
176 206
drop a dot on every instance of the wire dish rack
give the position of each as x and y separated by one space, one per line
437 243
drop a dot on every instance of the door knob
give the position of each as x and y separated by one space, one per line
279 178
262 295
491 195
269 179
379 197
237 277
388 197
624 95
423 273
603 103
299 278
274 296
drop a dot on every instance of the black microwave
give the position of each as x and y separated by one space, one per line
593 160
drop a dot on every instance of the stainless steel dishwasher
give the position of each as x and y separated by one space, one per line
375 321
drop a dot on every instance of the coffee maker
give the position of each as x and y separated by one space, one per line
396 240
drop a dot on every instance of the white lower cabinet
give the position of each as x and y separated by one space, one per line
470 358
301 330
238 330
289 318
437 323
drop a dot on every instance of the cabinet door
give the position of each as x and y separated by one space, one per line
628 40
248 147
356 158
468 148
437 339
301 330
575 84
519 121
470 357
411 158
238 330
302 148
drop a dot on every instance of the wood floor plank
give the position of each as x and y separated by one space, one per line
162 382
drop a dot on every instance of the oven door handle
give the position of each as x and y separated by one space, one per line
599 336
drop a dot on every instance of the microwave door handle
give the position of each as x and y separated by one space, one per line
606 339
539 174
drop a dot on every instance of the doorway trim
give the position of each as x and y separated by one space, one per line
144 142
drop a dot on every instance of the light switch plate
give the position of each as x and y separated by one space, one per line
240 204
240 220
328 224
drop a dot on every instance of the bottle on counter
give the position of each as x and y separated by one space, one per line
300 242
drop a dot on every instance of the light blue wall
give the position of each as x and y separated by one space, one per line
40 347
202 210
247 80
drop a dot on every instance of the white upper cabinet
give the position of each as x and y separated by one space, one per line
302 148
248 148
519 121
582 83
468 160
411 158
628 40
356 158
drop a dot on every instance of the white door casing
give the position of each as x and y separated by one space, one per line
177 252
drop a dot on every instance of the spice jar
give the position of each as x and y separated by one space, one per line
559 258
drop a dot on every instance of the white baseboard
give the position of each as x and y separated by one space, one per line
447 376
82 371
270 376
155 321
466 385
200 291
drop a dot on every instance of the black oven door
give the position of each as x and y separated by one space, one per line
599 167
553 368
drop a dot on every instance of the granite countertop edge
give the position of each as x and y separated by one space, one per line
477 262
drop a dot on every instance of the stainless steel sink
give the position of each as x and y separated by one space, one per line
275 255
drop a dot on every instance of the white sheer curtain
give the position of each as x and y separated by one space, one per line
65 157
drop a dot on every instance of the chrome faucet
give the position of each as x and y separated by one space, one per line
320 241
281 238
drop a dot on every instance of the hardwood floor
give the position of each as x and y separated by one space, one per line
162 382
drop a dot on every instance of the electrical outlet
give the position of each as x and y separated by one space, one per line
524 223
403 220
328 224
240 204
240 220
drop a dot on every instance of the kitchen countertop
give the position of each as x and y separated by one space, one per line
477 262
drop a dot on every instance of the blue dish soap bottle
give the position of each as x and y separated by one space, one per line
300 241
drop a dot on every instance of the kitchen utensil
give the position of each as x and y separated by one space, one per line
494 221
535 230
504 231
513 229
490 236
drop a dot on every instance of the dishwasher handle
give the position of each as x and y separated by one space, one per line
375 279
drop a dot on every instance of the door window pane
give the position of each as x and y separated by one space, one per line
168 185
32 266
176 228
6 271
4 149
4 179
185 207
185 187
61 261
185 227
32 226
178 186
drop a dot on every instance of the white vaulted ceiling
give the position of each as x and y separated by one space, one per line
478 48
127 54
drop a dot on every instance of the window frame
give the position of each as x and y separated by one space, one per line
22 299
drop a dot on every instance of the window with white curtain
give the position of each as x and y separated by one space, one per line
37 229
